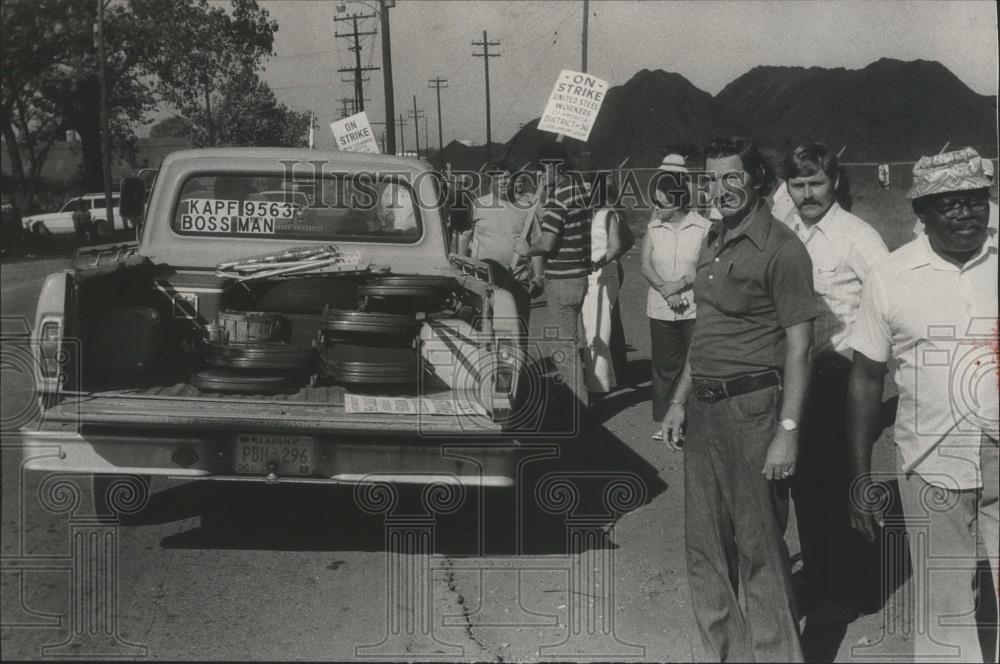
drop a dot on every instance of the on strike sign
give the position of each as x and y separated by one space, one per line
574 104
354 134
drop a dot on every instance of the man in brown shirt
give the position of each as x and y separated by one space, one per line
747 370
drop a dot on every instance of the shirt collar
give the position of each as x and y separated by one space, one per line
689 219
757 227
926 256
824 225
827 222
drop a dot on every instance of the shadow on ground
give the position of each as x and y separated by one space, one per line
561 505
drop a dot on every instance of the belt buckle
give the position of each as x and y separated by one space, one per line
710 393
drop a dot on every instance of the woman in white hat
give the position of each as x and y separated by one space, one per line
669 258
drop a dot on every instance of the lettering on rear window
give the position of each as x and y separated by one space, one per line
206 215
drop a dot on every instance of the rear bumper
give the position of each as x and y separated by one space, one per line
211 455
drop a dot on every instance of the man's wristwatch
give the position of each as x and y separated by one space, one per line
789 424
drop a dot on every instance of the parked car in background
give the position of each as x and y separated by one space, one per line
61 222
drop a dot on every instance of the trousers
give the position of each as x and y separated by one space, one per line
831 549
565 304
734 532
948 532
669 341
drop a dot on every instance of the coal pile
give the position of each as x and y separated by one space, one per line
889 110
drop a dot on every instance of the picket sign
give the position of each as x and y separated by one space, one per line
354 134
571 110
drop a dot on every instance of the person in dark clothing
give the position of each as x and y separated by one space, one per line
747 373
83 223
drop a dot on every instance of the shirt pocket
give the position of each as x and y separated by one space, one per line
824 277
735 293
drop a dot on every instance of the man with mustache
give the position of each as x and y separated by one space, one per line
843 249
931 306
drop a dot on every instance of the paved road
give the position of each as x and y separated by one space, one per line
210 572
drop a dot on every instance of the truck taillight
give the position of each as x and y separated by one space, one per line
49 348
506 369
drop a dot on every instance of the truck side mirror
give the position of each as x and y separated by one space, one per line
133 197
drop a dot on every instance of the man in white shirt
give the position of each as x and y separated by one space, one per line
497 222
931 306
843 249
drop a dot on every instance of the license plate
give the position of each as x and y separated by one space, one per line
259 454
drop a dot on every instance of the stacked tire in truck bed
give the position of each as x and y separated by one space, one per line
367 334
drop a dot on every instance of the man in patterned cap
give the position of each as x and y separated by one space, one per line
931 306
918 228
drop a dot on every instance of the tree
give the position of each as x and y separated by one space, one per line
174 126
73 88
213 48
50 71
31 47
248 113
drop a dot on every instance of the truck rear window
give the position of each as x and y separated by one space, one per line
363 207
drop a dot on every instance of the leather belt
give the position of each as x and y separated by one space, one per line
711 391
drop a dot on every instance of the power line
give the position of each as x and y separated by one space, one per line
417 115
402 137
437 84
486 55
359 92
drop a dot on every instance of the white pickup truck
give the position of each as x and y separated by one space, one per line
165 356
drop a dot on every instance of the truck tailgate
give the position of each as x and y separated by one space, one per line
310 409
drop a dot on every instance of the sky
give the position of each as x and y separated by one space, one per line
710 43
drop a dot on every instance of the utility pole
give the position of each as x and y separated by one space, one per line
486 55
359 93
208 113
417 116
402 138
427 142
344 103
381 139
349 106
437 84
109 207
586 21
390 107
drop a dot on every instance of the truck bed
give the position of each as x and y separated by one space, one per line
310 409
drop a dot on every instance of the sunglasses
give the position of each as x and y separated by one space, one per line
952 207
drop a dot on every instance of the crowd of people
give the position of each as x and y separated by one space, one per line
774 316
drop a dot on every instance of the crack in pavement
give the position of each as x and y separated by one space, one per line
466 614
161 588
